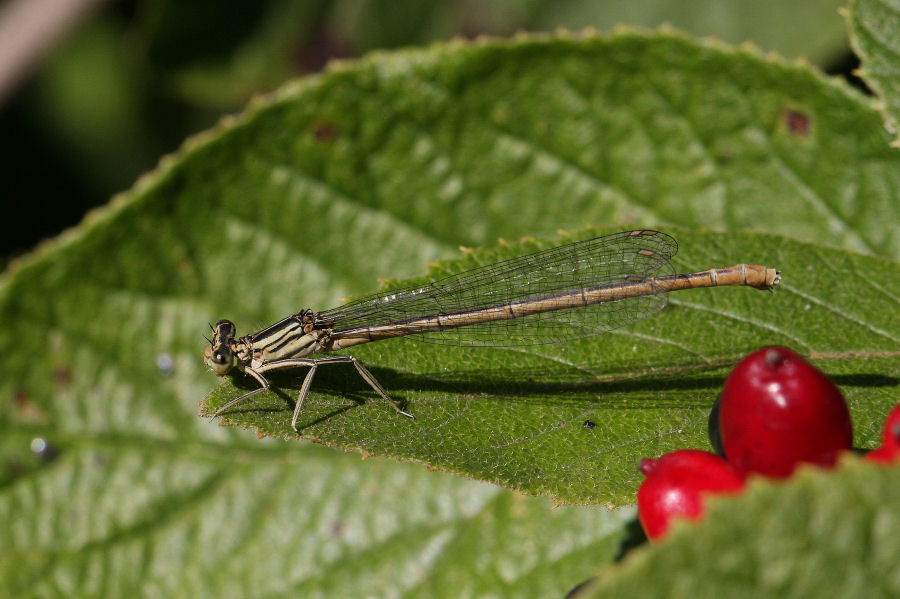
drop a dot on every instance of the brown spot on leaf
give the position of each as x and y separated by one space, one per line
62 375
325 132
796 122
20 399
27 410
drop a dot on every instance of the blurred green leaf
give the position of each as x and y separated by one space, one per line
88 94
113 517
836 533
290 37
807 28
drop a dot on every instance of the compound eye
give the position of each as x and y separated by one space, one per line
221 360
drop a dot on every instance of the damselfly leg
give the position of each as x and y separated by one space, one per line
313 364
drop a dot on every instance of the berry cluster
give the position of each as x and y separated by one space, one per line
776 411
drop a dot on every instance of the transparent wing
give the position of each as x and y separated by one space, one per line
610 259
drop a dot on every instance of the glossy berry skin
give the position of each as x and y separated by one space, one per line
889 452
676 486
777 411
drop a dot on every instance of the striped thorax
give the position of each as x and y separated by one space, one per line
293 337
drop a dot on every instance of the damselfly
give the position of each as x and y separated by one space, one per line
552 296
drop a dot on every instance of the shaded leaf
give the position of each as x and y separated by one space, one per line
516 415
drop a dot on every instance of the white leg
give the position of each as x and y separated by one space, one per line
369 378
304 389
313 364
264 384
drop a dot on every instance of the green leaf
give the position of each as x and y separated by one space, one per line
113 518
371 170
291 36
835 533
99 125
767 24
873 28
516 415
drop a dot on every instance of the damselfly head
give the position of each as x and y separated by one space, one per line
218 354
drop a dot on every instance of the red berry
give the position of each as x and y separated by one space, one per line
676 484
890 437
778 410
890 440
882 455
